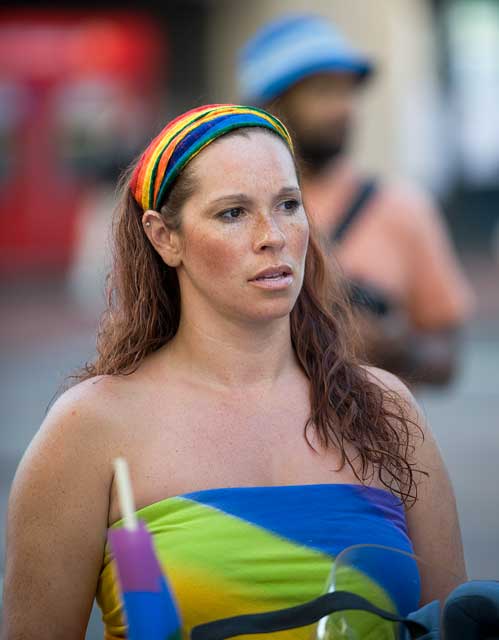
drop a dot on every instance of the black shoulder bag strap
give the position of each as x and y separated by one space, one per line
366 191
299 616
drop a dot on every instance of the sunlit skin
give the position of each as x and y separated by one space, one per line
245 216
223 404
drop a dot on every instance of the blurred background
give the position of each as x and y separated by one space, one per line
82 91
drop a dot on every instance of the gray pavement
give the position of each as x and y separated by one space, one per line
44 336
465 421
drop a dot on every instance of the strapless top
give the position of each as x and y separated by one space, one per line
240 550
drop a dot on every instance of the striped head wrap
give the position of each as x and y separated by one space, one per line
183 138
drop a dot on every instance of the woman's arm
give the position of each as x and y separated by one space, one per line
432 521
57 524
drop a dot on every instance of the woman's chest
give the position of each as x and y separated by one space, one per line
240 550
186 447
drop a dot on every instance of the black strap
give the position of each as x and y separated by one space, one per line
358 205
367 297
299 616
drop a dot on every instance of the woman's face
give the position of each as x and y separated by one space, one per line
244 232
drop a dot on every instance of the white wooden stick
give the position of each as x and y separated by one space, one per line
125 494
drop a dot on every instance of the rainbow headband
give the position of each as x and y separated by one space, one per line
184 138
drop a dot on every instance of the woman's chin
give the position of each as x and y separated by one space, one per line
264 313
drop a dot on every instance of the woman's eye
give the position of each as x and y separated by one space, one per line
291 205
231 214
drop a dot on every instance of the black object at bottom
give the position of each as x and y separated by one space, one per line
299 616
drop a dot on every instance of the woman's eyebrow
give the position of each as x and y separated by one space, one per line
231 197
243 197
291 190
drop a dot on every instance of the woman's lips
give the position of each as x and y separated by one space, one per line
275 279
274 270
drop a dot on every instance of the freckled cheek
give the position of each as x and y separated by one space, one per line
212 256
297 239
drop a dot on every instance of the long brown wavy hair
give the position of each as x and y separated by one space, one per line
349 410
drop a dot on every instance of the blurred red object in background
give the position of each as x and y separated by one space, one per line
76 98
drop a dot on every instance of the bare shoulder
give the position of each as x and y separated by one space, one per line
408 206
385 379
432 520
75 440
391 383
86 412
98 395
426 456
61 489
416 421
73 446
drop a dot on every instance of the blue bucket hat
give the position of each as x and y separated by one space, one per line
288 50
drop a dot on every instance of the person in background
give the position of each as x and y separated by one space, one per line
403 277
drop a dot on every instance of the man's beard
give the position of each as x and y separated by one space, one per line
316 152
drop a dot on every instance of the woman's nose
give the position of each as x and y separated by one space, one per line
268 234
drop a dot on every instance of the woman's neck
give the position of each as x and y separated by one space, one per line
229 354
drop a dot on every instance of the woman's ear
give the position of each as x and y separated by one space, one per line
166 241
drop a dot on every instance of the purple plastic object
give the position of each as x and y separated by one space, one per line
138 566
150 608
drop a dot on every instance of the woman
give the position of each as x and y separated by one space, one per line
258 446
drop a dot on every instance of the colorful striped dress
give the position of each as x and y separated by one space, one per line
241 550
